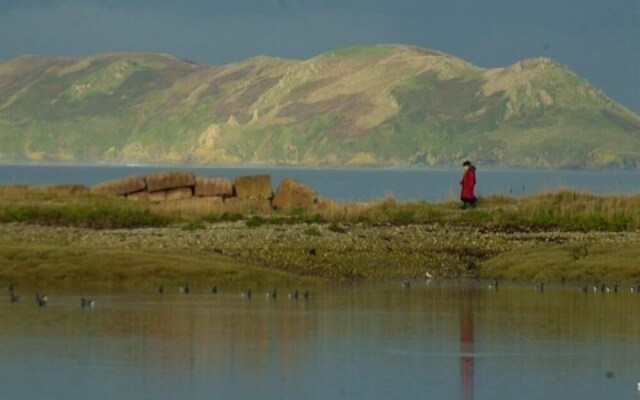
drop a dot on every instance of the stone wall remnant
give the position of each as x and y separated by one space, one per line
292 194
121 186
170 180
206 186
254 187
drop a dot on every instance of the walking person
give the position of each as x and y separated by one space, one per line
468 184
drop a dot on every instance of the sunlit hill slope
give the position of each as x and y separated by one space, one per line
385 105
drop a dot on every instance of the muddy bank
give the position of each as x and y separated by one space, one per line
358 251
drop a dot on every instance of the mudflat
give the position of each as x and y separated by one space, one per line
235 253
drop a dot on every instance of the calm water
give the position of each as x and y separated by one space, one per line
349 185
442 340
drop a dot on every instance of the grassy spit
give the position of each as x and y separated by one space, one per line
559 235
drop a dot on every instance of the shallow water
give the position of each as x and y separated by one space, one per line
443 340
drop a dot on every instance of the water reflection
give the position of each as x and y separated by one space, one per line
466 349
443 340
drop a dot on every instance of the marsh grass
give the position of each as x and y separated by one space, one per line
312 231
568 210
557 210
81 210
552 211
39 263
594 262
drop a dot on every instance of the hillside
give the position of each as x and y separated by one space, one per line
378 105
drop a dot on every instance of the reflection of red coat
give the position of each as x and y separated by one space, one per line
468 182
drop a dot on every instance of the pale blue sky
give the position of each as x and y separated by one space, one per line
599 39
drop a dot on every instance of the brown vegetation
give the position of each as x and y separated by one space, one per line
559 235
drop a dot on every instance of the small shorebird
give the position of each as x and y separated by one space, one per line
87 303
306 295
184 289
539 287
406 285
494 285
272 294
41 300
247 294
214 289
294 295
160 289
13 297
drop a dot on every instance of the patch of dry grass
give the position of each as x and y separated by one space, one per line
558 210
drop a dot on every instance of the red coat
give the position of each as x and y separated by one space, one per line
468 182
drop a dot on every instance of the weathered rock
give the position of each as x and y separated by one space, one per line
236 204
179 194
171 195
254 187
158 197
120 187
195 206
213 187
142 196
292 194
170 180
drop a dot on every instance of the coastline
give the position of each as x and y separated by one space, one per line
235 253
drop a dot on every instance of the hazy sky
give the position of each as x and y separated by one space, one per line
599 39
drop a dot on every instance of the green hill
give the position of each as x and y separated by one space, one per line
378 105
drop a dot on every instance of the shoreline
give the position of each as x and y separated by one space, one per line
310 253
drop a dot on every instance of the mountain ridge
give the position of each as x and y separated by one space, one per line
383 105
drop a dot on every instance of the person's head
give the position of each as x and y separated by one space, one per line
466 165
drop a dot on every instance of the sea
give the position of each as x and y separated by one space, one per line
356 184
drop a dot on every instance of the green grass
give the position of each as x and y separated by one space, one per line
91 212
39 263
558 211
337 227
163 105
255 221
312 231
596 262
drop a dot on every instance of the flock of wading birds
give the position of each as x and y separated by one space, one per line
43 300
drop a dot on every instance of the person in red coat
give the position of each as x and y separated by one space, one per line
468 184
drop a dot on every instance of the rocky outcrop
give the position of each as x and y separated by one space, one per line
121 187
170 180
292 194
207 186
251 193
254 187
